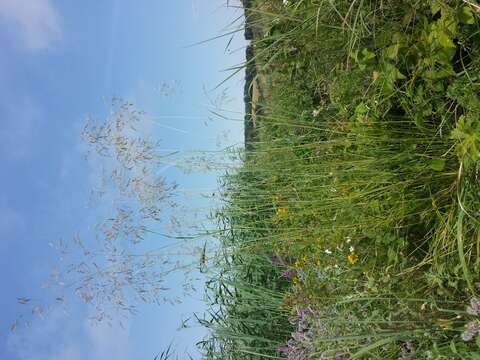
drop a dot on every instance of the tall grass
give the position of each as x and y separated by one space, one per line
358 197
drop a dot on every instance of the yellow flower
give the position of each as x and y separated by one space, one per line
281 212
352 258
305 258
298 264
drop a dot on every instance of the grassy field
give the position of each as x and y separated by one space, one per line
352 229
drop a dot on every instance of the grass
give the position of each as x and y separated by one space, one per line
351 229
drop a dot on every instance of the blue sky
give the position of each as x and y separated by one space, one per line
60 60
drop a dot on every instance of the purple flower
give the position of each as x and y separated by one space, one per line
275 259
308 327
289 274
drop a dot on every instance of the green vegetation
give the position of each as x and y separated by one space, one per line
352 229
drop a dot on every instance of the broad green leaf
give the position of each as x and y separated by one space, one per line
465 15
391 52
444 39
435 6
367 54
441 73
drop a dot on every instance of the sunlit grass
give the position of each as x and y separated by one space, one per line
351 230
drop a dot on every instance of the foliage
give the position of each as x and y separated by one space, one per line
362 179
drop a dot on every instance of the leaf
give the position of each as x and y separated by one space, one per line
435 7
465 15
443 55
391 52
440 73
437 164
367 54
444 39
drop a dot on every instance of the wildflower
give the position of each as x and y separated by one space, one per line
298 264
308 327
305 258
281 212
315 112
275 259
289 274
352 249
474 307
328 251
472 329
352 258
348 239
320 274
301 276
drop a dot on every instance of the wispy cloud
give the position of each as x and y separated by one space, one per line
37 21
60 337
108 342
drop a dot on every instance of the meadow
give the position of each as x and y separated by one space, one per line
351 230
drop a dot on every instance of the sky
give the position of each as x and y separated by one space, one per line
62 61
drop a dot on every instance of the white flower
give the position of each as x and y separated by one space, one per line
349 239
328 251
285 2
315 112
352 249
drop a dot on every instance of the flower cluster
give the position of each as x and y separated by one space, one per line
289 274
473 327
308 327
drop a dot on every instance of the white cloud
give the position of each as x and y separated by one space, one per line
37 20
70 337
108 342
70 352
